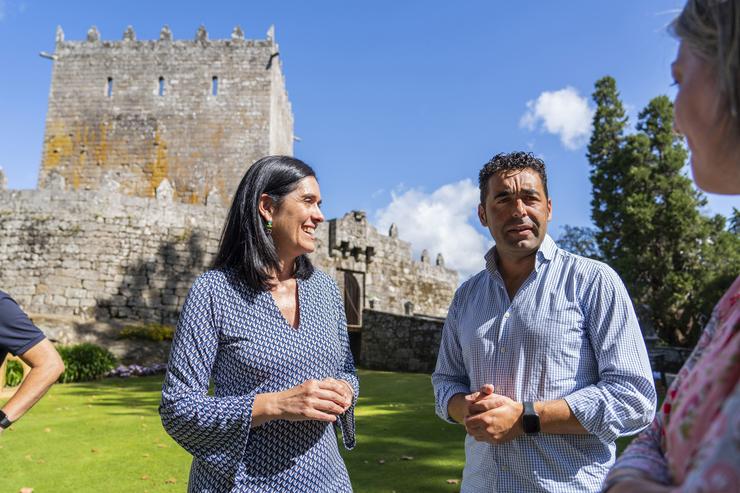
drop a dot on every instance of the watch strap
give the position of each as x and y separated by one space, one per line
4 421
530 419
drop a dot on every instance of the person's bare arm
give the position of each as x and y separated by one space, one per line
556 417
46 366
457 408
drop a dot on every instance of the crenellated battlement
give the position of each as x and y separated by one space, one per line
166 39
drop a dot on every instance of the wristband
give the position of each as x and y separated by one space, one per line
4 421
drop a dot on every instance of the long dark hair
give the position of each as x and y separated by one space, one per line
245 244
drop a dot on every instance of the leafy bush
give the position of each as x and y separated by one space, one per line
13 373
84 362
148 332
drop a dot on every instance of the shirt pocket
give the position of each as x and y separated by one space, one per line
559 343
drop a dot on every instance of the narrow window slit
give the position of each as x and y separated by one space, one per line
109 87
161 86
214 86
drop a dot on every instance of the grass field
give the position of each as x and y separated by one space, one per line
106 436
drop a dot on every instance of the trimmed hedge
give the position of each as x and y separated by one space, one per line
13 373
85 362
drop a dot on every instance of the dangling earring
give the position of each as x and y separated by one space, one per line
268 227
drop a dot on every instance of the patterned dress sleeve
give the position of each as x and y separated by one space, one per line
213 429
346 372
645 453
717 464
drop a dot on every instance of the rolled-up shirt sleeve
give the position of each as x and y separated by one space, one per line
213 429
623 400
450 376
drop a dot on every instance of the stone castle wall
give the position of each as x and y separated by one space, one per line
124 115
395 342
102 255
391 279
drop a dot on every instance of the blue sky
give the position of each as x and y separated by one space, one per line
396 103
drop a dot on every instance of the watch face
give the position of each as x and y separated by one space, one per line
531 423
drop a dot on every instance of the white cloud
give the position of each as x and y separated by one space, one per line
441 223
564 113
377 193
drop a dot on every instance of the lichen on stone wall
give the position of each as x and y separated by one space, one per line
198 112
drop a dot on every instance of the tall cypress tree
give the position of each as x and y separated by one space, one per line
650 229
606 177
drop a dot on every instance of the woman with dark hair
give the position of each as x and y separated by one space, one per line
269 331
693 444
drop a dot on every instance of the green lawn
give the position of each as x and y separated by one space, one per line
106 436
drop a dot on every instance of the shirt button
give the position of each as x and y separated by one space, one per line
506 315
503 349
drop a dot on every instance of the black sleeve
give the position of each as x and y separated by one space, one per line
17 332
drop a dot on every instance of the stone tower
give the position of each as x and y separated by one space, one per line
126 115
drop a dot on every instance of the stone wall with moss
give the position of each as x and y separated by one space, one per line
125 115
102 255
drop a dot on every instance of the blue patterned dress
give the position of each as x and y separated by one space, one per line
238 339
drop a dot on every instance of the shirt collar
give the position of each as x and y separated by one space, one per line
545 253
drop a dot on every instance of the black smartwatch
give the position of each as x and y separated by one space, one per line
4 421
530 419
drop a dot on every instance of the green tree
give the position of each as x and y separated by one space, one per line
735 221
579 240
606 142
674 260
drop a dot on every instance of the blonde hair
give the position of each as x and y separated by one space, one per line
712 29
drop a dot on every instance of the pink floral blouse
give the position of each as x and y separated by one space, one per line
694 441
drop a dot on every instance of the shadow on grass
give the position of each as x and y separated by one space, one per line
401 444
123 396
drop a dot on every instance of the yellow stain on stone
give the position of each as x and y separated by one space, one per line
58 146
100 149
217 137
158 168
81 143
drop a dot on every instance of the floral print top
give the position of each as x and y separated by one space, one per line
694 441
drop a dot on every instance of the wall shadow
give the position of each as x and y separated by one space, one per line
152 290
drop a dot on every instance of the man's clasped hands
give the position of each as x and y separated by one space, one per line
491 417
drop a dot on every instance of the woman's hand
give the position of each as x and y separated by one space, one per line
320 400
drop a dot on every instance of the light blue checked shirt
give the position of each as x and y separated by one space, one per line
569 333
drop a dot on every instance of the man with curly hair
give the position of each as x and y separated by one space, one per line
20 337
541 358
